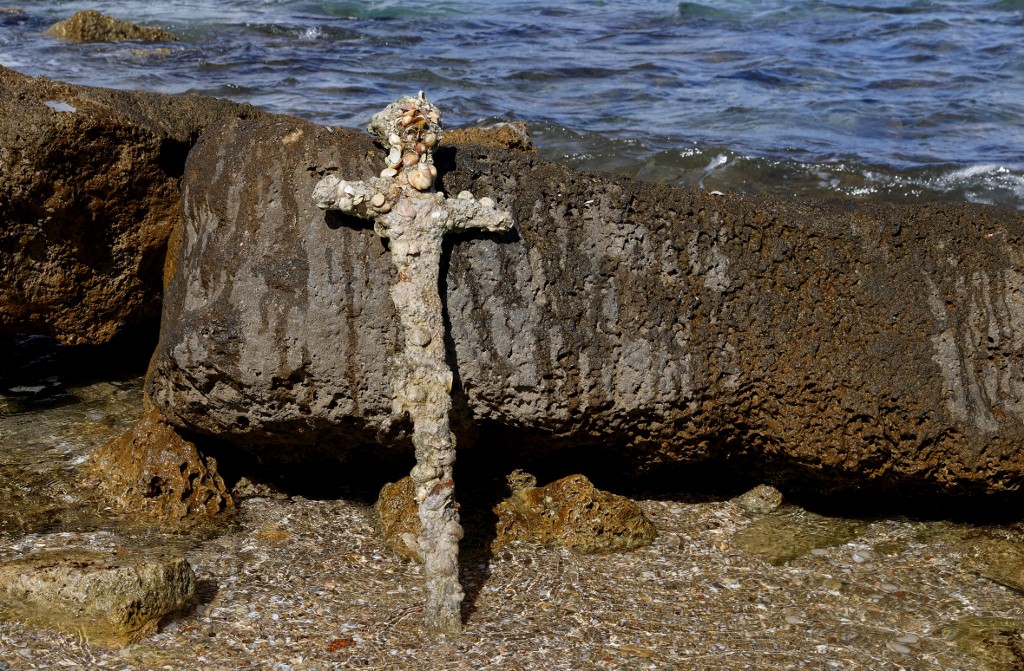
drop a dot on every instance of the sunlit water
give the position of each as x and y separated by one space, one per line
884 100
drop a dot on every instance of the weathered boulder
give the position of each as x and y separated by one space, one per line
833 347
91 26
154 471
89 195
107 599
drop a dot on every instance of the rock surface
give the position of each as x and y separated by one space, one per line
110 600
398 517
760 500
569 513
509 135
833 347
573 513
152 470
90 194
91 26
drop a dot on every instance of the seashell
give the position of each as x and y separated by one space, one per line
394 140
377 200
394 157
357 200
420 148
429 139
387 173
486 202
406 120
410 158
432 169
384 208
464 195
419 337
420 178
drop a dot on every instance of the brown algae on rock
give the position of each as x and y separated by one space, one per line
781 537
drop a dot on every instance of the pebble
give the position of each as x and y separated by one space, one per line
899 647
861 556
888 587
820 552
908 638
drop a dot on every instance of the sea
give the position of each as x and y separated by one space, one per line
884 100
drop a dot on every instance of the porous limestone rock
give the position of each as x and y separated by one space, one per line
152 470
91 26
90 194
106 599
835 347
398 518
760 500
571 513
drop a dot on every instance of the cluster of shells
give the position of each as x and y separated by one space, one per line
411 127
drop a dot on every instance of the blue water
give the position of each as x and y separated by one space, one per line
880 100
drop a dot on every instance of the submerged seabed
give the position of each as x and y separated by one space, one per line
886 100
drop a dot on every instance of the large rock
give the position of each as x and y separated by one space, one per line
89 196
111 600
836 346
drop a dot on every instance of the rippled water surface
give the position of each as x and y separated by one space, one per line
894 100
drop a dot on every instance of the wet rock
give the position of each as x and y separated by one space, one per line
91 26
12 16
760 500
152 470
996 642
781 537
510 135
90 194
997 559
572 513
110 600
841 347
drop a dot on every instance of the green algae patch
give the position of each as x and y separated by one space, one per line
996 642
787 535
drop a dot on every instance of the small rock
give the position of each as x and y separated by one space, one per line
91 26
398 517
153 470
574 514
760 500
909 639
108 600
899 647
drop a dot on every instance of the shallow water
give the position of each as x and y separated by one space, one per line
887 100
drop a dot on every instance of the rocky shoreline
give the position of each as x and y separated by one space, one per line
838 349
